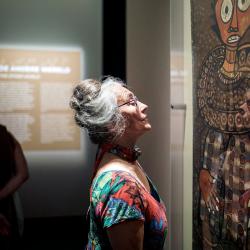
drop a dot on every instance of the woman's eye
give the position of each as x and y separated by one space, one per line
226 10
243 5
133 102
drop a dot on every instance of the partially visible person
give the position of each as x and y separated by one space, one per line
4 226
13 173
126 211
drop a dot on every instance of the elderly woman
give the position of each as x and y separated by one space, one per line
125 209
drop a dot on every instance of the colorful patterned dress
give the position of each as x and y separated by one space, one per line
117 196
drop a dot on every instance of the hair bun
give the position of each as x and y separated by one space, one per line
78 94
84 92
95 106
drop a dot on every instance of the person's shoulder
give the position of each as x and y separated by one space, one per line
3 128
117 168
109 175
116 187
111 180
5 134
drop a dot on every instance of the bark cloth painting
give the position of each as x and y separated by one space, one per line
221 90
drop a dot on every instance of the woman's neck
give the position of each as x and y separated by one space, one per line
125 141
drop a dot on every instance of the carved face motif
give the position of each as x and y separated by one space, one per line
233 19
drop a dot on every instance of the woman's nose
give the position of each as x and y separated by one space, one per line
143 107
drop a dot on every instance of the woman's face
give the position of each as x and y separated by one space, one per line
233 19
134 111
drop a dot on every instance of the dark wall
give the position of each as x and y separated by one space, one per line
114 38
59 180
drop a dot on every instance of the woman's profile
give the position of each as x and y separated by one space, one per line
126 211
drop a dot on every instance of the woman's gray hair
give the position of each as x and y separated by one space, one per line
96 109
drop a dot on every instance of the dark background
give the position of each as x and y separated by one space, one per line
70 232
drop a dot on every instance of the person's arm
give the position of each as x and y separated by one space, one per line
127 235
4 226
120 204
21 172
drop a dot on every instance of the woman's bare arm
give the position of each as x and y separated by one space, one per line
127 235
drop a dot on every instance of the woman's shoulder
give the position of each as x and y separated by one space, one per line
113 170
112 176
117 189
114 182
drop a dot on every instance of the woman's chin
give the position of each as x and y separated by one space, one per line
147 126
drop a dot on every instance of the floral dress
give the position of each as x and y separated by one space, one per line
117 196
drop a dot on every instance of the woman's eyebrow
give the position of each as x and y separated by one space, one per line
130 95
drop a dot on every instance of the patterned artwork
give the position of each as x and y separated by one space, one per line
221 167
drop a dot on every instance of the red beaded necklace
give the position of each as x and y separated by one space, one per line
128 154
